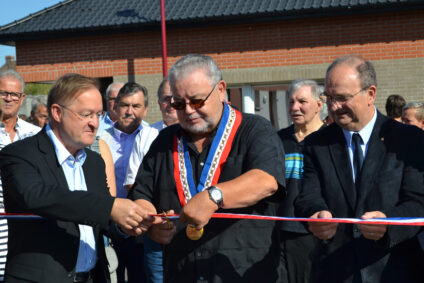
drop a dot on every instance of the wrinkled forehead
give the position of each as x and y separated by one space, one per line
10 81
342 78
194 72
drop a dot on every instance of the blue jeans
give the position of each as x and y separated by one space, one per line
153 261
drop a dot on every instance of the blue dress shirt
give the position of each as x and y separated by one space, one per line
72 168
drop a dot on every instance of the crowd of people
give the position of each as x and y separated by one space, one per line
107 180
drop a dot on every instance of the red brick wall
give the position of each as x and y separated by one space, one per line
292 42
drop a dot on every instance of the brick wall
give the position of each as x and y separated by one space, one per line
378 37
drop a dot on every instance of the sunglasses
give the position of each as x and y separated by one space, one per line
194 103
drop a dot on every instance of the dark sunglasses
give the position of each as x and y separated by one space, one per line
194 103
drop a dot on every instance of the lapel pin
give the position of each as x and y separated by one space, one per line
382 138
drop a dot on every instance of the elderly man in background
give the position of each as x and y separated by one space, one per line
152 250
11 130
413 114
297 243
110 116
169 115
39 115
131 106
365 165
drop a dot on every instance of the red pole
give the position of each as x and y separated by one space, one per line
164 54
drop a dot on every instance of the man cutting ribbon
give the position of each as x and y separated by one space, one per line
366 166
216 159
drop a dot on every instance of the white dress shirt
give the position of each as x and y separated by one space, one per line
159 125
365 134
141 146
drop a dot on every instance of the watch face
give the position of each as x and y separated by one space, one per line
216 194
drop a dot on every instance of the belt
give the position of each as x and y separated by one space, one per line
81 277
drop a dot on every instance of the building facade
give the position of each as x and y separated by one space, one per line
259 53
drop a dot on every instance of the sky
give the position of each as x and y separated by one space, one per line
15 10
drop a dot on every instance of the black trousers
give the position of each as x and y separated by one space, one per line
296 256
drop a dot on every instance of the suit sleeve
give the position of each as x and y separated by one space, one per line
411 193
29 188
310 200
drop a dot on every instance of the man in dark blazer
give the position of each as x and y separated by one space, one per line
52 175
377 174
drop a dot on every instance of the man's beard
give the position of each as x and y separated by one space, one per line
204 128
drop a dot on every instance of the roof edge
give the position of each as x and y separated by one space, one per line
36 14
11 39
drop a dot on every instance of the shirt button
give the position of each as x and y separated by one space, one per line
69 275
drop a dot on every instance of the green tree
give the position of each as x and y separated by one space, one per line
37 88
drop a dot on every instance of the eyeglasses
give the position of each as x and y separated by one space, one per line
84 116
13 95
194 103
111 98
341 98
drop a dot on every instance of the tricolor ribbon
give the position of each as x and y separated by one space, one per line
407 221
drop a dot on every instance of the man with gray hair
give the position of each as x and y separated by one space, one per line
131 106
364 165
215 160
297 243
413 114
169 115
12 129
39 115
110 117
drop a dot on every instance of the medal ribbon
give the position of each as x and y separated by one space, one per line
217 156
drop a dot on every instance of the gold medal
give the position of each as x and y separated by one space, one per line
193 233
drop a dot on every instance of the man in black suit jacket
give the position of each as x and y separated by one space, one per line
40 175
386 182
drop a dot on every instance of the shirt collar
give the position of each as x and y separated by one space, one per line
62 153
107 118
18 124
119 134
365 132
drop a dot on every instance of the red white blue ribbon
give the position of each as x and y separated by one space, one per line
405 221
375 221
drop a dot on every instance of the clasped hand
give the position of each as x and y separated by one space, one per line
326 231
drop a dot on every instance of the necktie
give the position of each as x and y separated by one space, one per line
358 156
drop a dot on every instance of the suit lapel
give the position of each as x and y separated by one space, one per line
373 160
46 146
340 157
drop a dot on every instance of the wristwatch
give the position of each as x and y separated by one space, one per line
215 194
